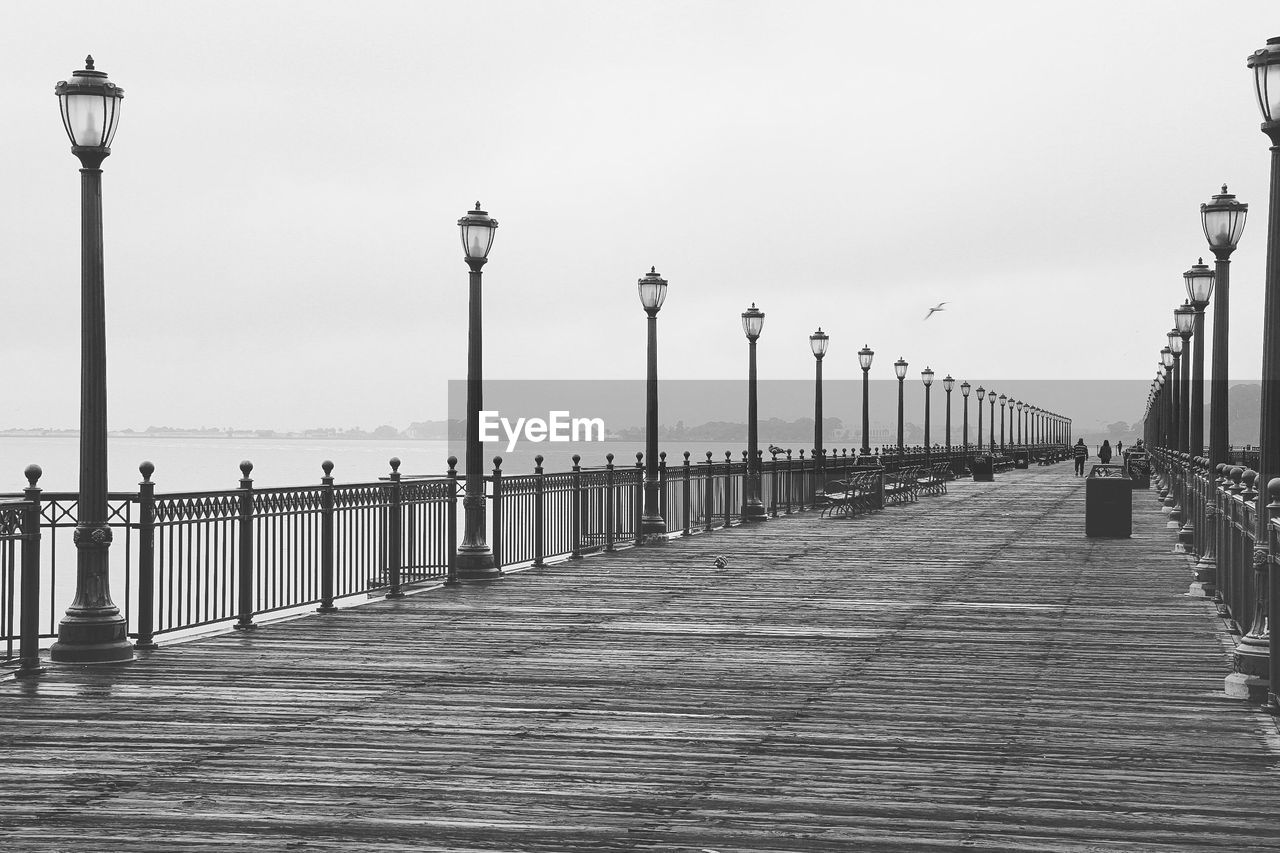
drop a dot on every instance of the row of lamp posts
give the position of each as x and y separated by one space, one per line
93 629
1174 417
1175 405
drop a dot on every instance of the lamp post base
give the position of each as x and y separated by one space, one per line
754 510
1249 681
476 564
653 530
92 638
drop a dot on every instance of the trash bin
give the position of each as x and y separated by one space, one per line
983 469
1108 502
1021 459
1138 465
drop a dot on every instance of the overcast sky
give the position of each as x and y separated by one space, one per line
281 200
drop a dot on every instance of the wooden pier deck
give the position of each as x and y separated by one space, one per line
968 672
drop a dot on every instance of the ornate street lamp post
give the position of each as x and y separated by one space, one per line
991 422
1178 424
475 559
982 393
652 289
1164 394
900 370
864 360
1199 282
1185 321
1167 361
964 433
818 343
926 376
1003 400
752 507
947 384
1223 220
93 629
1018 420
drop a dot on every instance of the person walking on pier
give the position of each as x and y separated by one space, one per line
1104 452
1081 452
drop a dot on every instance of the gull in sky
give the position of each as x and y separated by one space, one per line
937 307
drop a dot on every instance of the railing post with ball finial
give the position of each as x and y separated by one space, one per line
326 539
395 536
29 622
146 559
244 565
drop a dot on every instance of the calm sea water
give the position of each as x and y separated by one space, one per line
198 464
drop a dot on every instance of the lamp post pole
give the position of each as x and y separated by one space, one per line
964 430
900 370
926 376
818 344
1185 318
652 289
947 384
1199 282
475 559
1258 668
1223 221
1178 424
982 393
1165 372
752 507
1018 421
865 356
1003 400
93 629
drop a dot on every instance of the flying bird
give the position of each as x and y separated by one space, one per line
937 307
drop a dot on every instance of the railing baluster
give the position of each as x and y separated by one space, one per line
575 509
709 496
608 502
394 549
451 520
497 513
637 499
146 558
244 565
326 540
539 511
686 492
773 483
29 621
663 502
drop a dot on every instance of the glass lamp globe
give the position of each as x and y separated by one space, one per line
477 229
818 343
752 322
652 290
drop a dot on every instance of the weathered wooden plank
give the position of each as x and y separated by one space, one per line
964 672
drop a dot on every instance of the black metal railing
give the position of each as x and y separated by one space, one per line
190 560
1213 512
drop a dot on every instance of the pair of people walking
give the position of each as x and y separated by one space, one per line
1081 452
